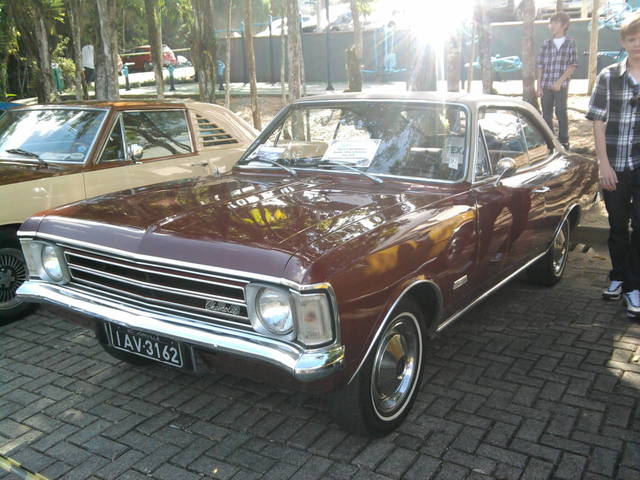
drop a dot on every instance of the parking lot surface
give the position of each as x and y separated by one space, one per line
534 383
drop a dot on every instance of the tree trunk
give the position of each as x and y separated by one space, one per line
528 55
154 27
44 57
251 58
107 55
296 62
283 53
204 48
4 53
593 47
354 54
454 46
423 74
319 15
484 47
73 12
227 69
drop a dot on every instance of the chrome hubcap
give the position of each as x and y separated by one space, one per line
396 365
13 273
560 249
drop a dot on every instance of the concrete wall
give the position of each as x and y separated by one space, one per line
506 40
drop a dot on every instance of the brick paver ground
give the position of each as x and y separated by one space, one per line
533 384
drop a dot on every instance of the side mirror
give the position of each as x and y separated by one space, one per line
135 152
505 167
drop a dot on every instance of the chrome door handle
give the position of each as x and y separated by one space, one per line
541 190
200 164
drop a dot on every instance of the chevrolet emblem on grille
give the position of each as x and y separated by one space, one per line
221 307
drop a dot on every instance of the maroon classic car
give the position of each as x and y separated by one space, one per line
355 228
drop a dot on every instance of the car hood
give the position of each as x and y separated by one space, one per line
16 173
239 222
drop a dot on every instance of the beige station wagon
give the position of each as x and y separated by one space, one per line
53 155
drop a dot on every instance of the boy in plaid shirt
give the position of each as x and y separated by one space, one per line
556 63
615 111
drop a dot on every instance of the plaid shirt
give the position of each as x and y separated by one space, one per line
554 61
610 104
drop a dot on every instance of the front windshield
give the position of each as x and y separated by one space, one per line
426 141
55 135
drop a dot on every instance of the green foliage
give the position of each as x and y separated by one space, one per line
66 65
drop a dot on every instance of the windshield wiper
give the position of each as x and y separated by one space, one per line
326 163
28 154
257 158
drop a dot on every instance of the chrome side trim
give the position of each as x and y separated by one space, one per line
303 365
386 320
459 313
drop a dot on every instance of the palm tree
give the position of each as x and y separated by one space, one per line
354 53
484 46
74 13
251 58
32 19
106 57
593 47
296 61
528 55
155 40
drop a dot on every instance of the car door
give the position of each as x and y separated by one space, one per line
164 138
509 211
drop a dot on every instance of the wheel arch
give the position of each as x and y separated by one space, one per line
9 232
427 295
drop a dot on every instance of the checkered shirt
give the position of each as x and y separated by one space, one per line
610 104
554 61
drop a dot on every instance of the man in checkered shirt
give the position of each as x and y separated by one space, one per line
615 111
556 63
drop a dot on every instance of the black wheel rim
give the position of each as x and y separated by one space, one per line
13 273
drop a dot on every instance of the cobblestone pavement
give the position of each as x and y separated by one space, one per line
533 384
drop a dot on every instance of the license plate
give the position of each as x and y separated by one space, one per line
145 345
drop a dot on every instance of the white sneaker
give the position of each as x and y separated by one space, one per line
613 291
632 299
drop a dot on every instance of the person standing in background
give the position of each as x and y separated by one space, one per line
556 63
88 63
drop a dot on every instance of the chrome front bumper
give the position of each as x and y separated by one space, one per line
303 365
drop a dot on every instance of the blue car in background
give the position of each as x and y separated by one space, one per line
4 106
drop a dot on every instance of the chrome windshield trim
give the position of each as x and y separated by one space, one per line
302 364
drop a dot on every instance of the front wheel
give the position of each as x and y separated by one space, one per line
549 269
13 272
380 396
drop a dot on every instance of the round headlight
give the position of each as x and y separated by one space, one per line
274 311
51 264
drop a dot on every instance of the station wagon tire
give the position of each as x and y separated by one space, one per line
129 358
549 269
13 272
381 395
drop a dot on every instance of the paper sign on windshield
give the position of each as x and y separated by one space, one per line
455 151
267 153
357 153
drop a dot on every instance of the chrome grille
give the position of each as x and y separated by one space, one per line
195 295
